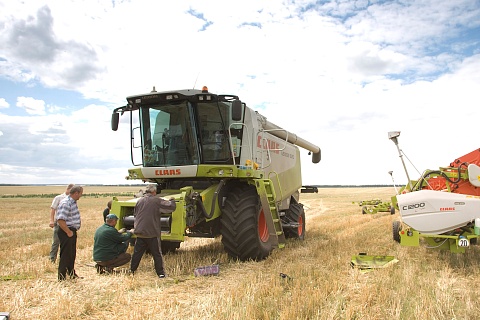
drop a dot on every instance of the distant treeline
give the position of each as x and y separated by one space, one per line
350 186
143 185
53 195
132 194
64 184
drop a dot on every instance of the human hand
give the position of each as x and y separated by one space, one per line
172 199
51 225
121 230
70 233
131 231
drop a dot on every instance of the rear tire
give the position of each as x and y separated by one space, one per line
396 227
295 214
244 229
364 210
392 210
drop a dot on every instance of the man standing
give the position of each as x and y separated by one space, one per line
110 246
68 219
147 228
106 212
53 222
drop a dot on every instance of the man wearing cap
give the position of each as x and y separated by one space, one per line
147 214
110 246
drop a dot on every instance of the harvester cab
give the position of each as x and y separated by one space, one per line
442 206
232 172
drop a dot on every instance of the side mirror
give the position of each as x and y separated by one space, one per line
115 120
237 110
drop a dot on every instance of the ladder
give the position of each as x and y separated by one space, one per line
267 198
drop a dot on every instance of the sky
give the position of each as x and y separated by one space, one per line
339 74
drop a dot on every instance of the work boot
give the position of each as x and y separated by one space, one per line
100 269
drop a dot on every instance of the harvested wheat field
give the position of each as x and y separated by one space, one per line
318 283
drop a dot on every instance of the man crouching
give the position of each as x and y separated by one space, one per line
110 246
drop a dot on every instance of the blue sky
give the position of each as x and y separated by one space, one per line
340 74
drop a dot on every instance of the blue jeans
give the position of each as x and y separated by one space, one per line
55 244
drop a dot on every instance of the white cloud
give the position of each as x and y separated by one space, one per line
31 105
339 74
4 104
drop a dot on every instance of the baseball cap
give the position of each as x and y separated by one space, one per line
112 216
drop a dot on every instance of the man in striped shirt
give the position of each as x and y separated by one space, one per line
53 222
68 219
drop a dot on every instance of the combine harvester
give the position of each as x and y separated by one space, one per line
232 172
442 206
374 206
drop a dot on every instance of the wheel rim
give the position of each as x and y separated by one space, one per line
262 227
300 226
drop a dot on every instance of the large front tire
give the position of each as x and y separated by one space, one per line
244 230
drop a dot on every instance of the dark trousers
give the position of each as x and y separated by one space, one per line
153 245
55 243
122 259
68 253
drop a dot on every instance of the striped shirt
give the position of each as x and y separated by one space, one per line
56 201
68 210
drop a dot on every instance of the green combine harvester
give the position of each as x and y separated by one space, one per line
232 173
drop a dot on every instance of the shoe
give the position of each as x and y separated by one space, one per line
100 269
76 276
162 275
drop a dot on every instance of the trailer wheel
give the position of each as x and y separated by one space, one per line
364 210
244 229
295 214
392 210
169 246
396 227
165 246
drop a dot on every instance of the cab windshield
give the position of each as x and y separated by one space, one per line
185 133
